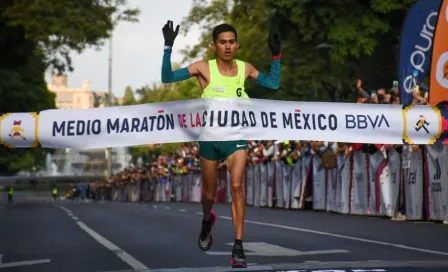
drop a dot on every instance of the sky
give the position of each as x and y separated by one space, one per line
137 49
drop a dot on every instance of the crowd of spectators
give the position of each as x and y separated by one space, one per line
392 96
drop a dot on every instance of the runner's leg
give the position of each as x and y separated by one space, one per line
208 172
236 163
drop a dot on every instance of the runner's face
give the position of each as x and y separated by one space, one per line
226 45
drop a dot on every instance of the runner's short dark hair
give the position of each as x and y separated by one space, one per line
223 28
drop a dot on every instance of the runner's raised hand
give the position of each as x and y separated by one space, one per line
169 34
274 44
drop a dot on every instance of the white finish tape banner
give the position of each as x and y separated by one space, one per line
221 119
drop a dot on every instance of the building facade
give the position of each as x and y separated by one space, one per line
79 162
78 98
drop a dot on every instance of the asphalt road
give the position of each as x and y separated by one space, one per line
67 236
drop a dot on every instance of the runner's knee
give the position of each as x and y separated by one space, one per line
236 187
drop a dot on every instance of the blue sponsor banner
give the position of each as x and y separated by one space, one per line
416 46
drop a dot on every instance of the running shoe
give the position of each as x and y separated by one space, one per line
205 240
238 257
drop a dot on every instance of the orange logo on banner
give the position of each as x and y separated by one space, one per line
438 91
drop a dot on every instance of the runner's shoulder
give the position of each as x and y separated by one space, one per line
198 67
250 70
200 64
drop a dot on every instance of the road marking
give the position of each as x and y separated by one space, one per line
182 210
167 208
343 237
154 206
1 256
65 209
23 263
134 263
270 250
199 213
75 218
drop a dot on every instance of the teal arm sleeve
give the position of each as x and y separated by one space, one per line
169 76
271 81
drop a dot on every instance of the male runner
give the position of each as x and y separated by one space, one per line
222 77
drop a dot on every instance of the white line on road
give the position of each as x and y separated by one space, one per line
305 253
75 218
199 213
65 209
343 237
182 210
23 263
265 249
155 206
167 208
134 263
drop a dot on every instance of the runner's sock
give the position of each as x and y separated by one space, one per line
238 243
206 222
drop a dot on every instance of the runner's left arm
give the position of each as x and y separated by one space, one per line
168 75
271 80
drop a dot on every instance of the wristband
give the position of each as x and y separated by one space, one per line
167 47
277 57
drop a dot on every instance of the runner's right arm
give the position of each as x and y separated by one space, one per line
168 75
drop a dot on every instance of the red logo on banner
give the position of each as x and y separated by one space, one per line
17 130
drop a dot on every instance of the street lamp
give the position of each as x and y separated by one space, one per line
108 151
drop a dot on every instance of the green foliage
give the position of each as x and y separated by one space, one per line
61 26
326 44
36 35
129 98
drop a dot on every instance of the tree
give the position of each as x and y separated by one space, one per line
326 44
37 35
129 98
61 26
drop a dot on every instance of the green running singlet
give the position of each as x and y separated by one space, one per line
224 87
